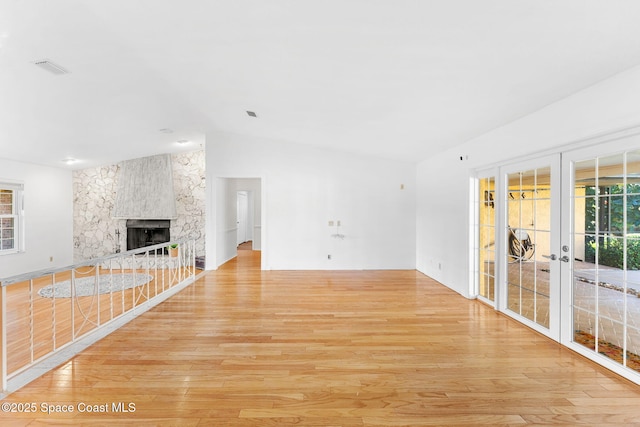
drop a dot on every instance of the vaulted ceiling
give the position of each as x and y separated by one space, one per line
400 79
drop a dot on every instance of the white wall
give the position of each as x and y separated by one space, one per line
305 187
443 180
225 220
48 218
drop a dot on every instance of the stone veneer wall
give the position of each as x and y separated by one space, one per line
189 185
94 191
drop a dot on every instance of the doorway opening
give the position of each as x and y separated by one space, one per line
239 220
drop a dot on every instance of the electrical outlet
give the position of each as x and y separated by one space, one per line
50 259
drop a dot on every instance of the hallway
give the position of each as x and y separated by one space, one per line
244 347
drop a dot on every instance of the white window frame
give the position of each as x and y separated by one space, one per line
18 216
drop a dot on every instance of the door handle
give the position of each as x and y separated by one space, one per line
554 257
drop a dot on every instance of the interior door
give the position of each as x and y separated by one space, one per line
242 216
530 249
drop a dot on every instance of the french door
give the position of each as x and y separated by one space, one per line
558 248
485 243
531 252
601 287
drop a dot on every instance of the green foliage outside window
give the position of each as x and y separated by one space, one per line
611 252
611 225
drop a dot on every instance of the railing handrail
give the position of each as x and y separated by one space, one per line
35 274
19 363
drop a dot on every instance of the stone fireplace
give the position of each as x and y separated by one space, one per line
98 233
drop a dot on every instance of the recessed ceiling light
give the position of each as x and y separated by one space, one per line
69 161
166 130
252 114
183 141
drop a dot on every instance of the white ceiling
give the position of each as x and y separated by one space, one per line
398 79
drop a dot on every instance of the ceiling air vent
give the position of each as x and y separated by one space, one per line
49 66
252 114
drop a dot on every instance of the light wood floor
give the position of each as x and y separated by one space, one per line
242 347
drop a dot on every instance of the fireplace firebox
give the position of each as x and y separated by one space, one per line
147 232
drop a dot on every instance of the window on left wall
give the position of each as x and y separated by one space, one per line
11 196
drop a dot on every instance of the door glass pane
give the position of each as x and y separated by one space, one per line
611 170
487 232
606 273
631 287
528 241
